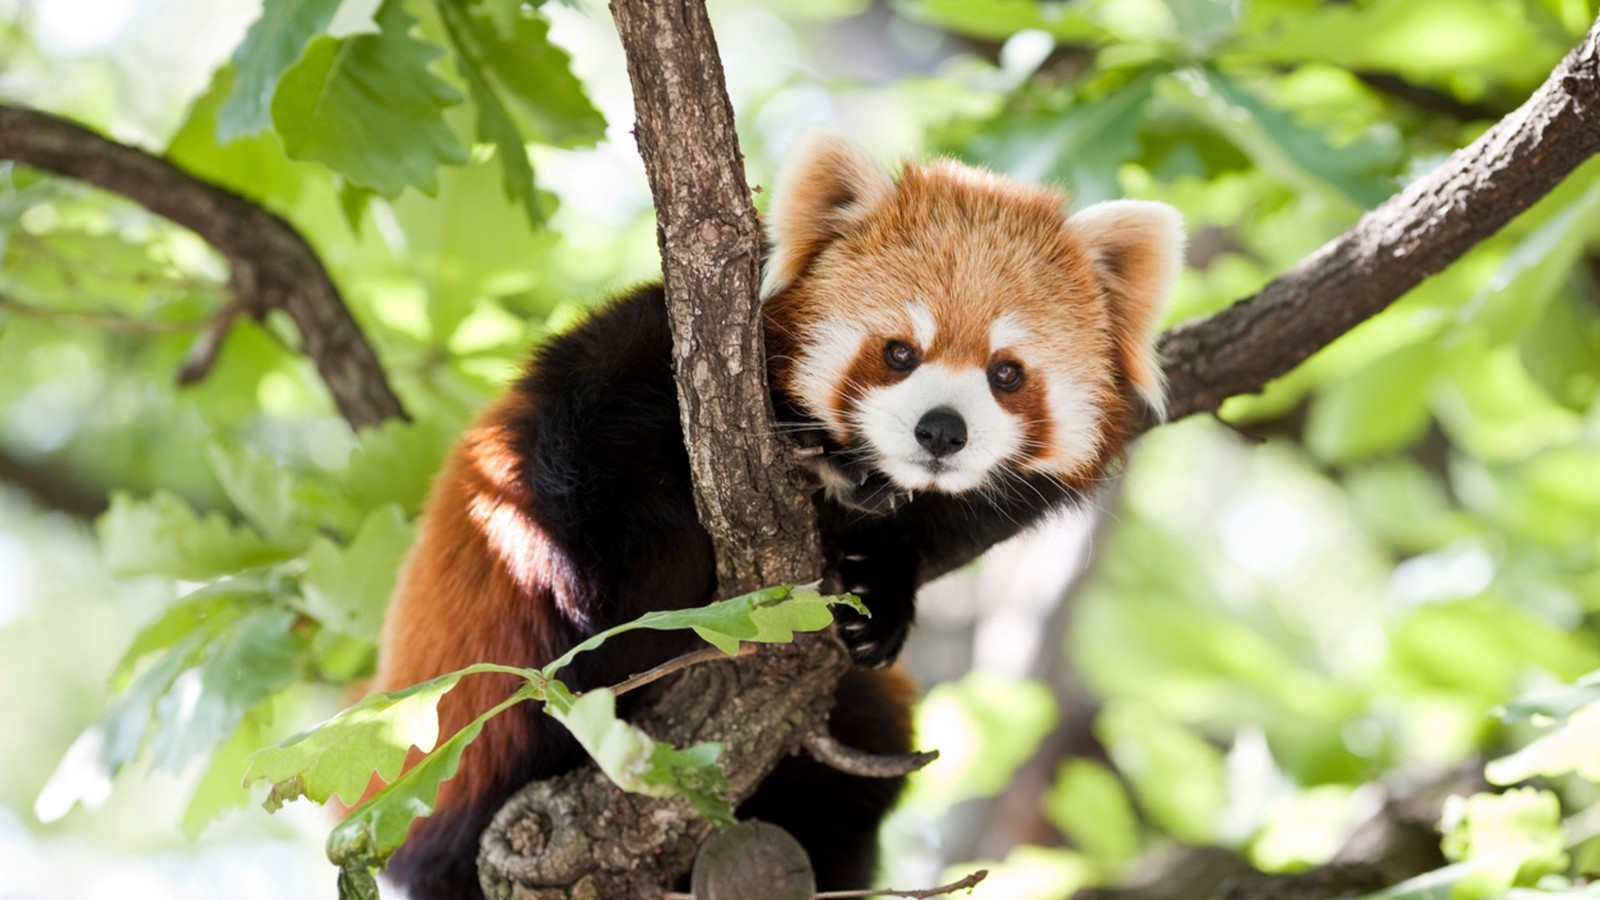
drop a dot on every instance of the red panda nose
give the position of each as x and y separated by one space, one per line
942 431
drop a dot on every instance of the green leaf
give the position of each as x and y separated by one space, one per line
254 658
1080 148
339 757
1401 503
1440 884
128 718
1422 40
1553 703
219 790
347 588
1516 834
496 127
1090 806
637 763
1537 267
210 608
1299 157
375 829
1561 351
357 882
1176 774
255 166
163 536
511 53
1569 747
695 775
270 47
771 615
1000 19
395 464
985 727
1378 409
368 107
1201 23
263 490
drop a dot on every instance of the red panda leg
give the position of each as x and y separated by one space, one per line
833 815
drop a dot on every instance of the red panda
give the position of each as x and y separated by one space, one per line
966 354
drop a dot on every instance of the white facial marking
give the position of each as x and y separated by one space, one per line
888 419
1007 331
830 350
1076 417
923 327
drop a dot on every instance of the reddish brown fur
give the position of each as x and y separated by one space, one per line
476 558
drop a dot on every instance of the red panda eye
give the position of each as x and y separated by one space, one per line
1006 376
900 356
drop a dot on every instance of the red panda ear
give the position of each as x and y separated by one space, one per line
827 185
1136 247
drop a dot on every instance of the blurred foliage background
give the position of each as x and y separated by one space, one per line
1243 644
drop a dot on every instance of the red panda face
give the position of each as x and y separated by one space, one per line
953 326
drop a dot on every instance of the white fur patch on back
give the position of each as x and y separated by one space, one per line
923 326
888 419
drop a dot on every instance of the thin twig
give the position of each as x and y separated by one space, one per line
965 884
272 265
203 352
676 664
107 321
824 748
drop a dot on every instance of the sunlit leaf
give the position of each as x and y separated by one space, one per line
1299 156
1569 747
270 47
338 758
770 615
984 727
1176 774
251 660
162 535
1079 148
512 55
999 19
639 764
1091 808
368 107
347 588
1517 835
262 489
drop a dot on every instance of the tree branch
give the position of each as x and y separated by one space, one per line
762 524
1412 235
273 267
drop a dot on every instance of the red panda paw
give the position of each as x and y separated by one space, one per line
873 494
872 642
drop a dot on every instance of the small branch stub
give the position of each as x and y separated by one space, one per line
752 859
272 265
824 748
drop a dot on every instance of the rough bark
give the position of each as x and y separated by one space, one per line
272 265
762 523
578 836
1413 235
